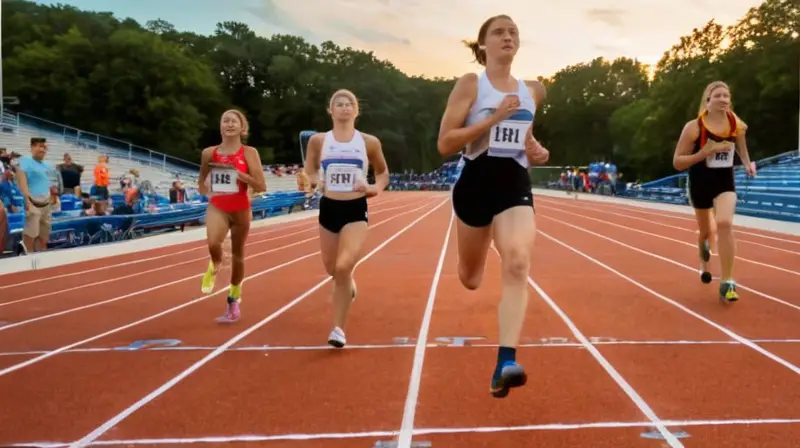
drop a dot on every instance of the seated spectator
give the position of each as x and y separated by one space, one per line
98 208
5 160
129 206
8 189
177 194
8 160
86 201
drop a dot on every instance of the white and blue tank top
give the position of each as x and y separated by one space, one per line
507 138
343 163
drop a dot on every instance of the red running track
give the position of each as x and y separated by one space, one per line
625 347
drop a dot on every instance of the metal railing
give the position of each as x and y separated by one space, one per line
112 146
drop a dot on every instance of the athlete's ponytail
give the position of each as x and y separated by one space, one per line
477 51
478 46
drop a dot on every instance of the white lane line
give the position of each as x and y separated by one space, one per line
170 310
692 313
277 348
102 429
410 408
271 229
190 277
668 260
419 431
606 365
674 240
606 212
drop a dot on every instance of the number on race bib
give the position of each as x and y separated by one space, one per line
223 180
720 159
507 138
341 177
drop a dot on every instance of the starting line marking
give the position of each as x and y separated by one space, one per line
396 444
150 343
173 345
416 432
653 433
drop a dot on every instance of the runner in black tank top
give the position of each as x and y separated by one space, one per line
707 148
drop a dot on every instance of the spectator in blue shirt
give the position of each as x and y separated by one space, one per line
35 178
8 190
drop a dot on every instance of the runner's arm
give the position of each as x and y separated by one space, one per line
538 91
683 158
255 175
202 187
741 142
453 136
312 162
378 162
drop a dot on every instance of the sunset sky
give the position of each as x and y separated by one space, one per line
423 38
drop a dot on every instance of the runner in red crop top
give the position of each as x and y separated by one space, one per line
229 203
240 200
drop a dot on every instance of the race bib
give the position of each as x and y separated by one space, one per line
223 180
720 159
341 176
507 138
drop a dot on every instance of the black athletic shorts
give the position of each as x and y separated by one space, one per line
489 186
335 214
705 186
100 193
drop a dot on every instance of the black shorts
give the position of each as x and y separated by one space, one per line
704 187
335 214
100 193
489 186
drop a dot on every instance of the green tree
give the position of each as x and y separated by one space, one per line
165 89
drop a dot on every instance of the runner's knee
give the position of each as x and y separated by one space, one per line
344 266
515 264
724 224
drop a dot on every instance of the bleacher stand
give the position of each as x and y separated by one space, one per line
773 193
148 191
441 179
597 178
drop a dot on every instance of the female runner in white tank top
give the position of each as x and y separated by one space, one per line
344 154
492 116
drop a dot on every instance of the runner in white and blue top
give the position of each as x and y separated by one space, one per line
491 117
344 155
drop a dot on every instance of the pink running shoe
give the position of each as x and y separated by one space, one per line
232 314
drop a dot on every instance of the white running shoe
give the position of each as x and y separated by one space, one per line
336 338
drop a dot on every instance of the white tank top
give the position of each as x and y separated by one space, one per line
507 138
343 163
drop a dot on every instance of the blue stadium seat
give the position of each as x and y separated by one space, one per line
774 193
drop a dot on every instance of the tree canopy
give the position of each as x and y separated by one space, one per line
165 89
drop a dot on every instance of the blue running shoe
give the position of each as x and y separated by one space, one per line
511 375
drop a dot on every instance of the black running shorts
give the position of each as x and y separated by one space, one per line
335 214
489 186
